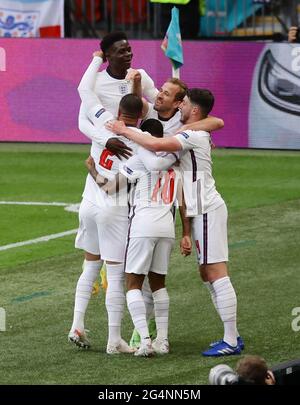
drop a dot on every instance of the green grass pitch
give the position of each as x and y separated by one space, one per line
37 281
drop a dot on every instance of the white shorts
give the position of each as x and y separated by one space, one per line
148 254
102 231
209 233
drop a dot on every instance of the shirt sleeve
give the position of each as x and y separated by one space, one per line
150 112
148 88
87 84
133 168
99 135
154 162
99 116
191 139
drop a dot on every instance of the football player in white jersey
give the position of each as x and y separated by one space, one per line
110 84
166 106
205 208
165 109
151 237
113 83
150 241
103 220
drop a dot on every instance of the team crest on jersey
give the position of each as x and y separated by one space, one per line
100 112
185 135
14 23
123 88
127 169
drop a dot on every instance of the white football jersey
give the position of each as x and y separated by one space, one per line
199 187
107 165
170 125
111 90
154 195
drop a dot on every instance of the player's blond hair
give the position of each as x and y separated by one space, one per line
179 96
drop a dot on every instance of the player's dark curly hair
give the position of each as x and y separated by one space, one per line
110 39
153 126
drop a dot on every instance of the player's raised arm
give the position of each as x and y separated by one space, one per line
91 103
149 89
144 139
136 78
87 83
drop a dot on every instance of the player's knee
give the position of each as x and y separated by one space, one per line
134 281
156 281
91 257
202 272
215 271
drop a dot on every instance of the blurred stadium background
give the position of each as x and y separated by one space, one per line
230 49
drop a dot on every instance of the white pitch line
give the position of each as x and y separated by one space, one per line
55 204
38 240
68 207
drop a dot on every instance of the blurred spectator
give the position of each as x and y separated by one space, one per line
86 8
294 35
189 16
129 11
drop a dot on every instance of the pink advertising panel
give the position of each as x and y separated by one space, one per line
253 83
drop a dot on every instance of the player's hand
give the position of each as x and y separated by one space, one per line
90 163
292 34
133 74
118 127
98 53
118 148
186 246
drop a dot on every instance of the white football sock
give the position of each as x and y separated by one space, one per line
84 290
148 298
227 306
115 301
161 310
137 309
211 290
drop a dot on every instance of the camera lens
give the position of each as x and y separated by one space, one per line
222 375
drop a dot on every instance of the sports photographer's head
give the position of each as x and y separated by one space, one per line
254 370
250 370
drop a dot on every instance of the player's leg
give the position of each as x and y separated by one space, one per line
135 339
86 239
112 232
210 235
148 299
115 303
137 264
210 285
157 274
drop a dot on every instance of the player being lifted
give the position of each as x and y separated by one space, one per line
110 86
206 212
103 219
